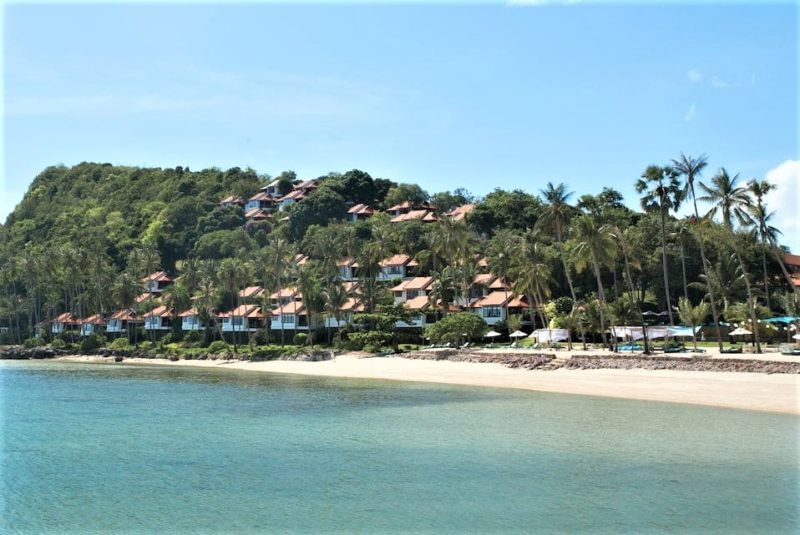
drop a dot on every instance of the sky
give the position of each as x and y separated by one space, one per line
446 96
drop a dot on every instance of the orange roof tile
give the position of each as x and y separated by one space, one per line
417 283
251 291
295 307
398 260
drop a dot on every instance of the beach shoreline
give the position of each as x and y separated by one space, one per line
779 393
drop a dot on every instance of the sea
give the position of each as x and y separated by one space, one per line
114 448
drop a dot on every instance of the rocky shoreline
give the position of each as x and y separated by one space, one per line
622 362
119 355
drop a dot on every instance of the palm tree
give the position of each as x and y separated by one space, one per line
733 202
124 294
232 276
767 234
532 275
277 263
663 193
691 168
627 250
335 297
595 247
692 315
554 218
681 235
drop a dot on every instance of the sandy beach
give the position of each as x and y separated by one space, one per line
748 391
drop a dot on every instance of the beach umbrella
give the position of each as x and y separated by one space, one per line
517 334
796 337
492 334
739 331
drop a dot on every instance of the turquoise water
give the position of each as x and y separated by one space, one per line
108 448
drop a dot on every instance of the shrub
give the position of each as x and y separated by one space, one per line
58 343
371 341
91 342
218 346
456 328
300 339
33 342
119 343
193 337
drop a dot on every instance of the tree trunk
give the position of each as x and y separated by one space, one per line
706 270
571 287
683 268
751 305
602 299
766 281
664 264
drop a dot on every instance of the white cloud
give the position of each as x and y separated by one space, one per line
784 200
695 76
718 82
690 114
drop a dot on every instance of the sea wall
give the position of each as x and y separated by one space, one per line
543 361
527 361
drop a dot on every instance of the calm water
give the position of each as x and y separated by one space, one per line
104 448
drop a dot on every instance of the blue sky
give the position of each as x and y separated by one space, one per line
475 96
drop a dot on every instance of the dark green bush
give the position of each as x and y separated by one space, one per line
91 342
218 346
58 343
300 339
33 342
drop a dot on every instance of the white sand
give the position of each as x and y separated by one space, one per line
751 391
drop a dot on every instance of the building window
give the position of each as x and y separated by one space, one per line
288 318
237 320
492 312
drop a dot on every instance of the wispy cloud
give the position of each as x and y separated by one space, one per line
690 114
718 82
695 76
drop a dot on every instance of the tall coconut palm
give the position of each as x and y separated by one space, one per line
691 168
692 315
767 233
233 276
732 200
278 261
554 218
532 275
682 234
662 193
624 244
594 247
334 296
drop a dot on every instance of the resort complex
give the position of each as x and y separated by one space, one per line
366 263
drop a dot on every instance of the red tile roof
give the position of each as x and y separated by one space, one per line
399 260
191 312
460 212
66 317
97 319
124 314
262 196
295 307
257 213
242 311
232 199
158 276
160 311
423 215
251 291
499 299
792 260
361 209
290 291
417 283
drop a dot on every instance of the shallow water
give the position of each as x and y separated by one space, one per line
111 448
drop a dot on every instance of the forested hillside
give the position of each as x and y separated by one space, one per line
84 236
